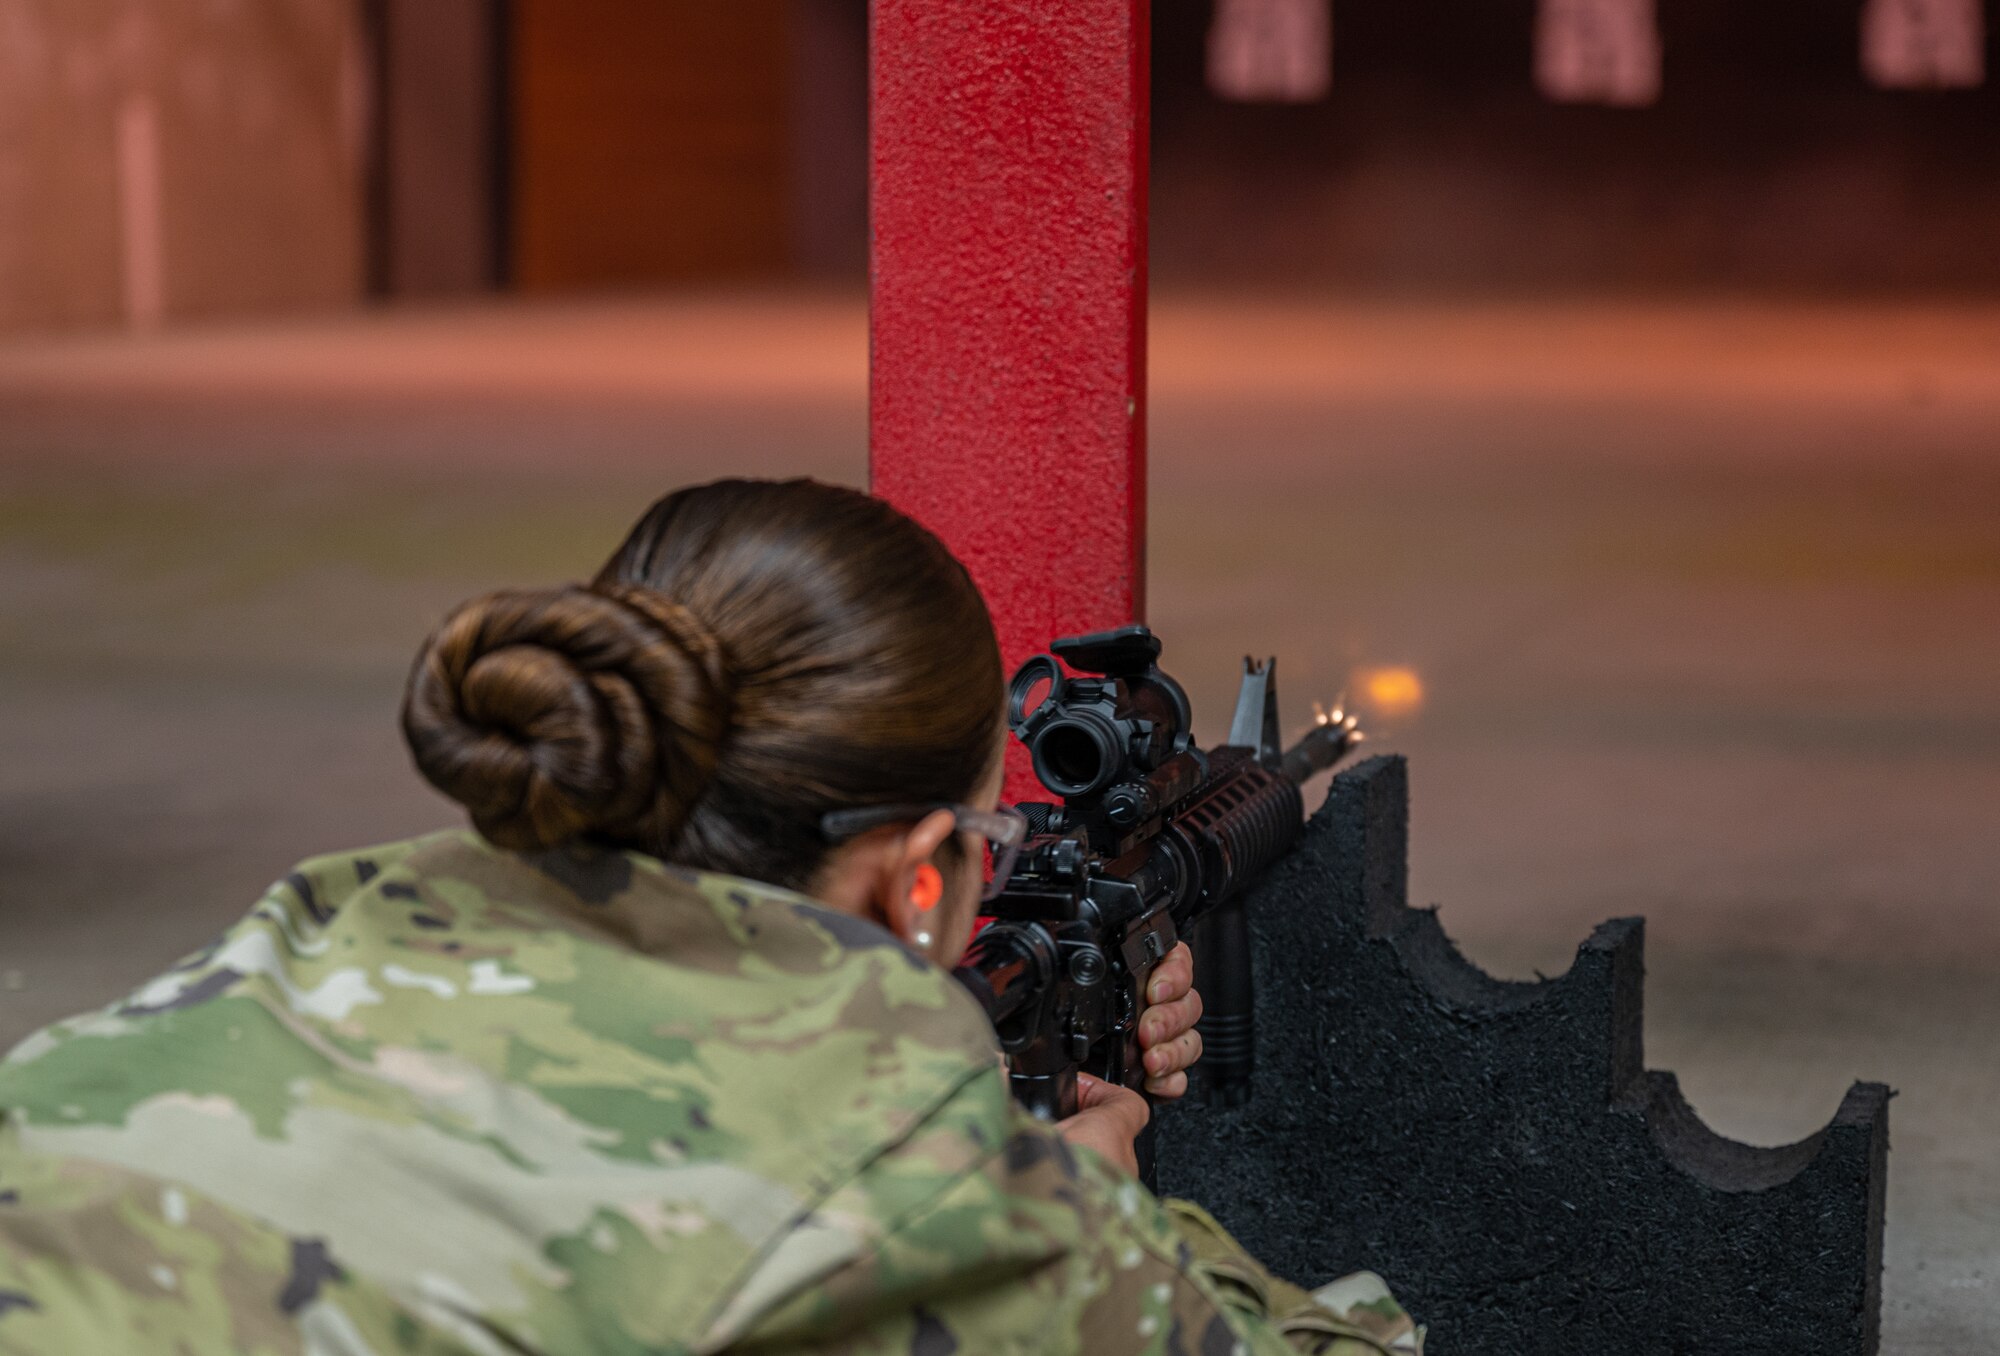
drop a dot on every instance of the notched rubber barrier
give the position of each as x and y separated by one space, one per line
1497 1150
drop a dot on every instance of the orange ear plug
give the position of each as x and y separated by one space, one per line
929 889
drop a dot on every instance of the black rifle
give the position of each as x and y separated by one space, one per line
1152 838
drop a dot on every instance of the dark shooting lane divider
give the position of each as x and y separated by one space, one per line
1497 1150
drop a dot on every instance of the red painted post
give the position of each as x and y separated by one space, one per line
1008 345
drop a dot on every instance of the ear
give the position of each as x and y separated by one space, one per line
901 904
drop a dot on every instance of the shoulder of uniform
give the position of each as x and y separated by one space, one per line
318 885
794 928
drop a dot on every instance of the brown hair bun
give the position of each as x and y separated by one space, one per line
755 654
560 713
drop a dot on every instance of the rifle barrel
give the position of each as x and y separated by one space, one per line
1320 749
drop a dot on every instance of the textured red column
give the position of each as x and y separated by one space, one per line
1008 349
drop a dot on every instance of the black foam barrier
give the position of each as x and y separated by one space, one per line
1496 1150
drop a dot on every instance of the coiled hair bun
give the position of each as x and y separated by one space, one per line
558 714
754 654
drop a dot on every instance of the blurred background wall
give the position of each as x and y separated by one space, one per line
649 141
179 158
1769 161
439 149
186 158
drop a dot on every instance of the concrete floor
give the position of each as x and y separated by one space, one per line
1705 597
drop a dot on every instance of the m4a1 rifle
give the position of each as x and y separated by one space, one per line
1153 838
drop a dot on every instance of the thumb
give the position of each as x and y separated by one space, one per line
1113 1102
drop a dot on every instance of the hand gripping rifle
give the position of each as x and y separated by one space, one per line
1153 838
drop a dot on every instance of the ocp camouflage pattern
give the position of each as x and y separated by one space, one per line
439 1098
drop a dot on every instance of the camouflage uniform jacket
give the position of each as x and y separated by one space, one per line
439 1098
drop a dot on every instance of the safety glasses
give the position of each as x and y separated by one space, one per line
1001 832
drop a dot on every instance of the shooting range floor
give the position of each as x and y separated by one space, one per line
1705 598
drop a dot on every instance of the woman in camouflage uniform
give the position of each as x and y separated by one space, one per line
650 1062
